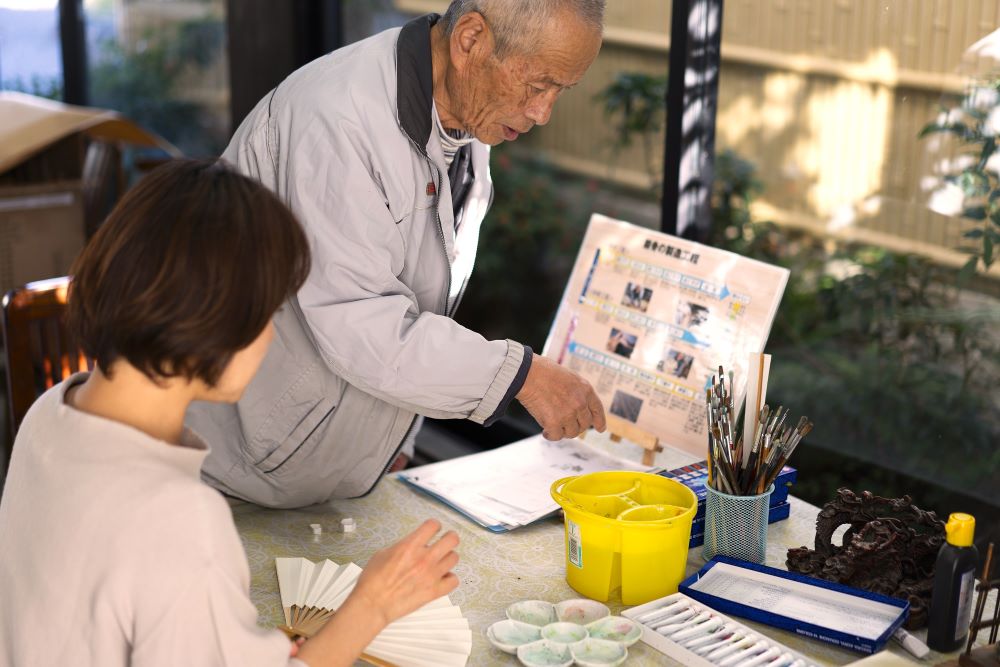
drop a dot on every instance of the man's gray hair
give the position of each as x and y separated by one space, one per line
517 25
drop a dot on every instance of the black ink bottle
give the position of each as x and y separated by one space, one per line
954 585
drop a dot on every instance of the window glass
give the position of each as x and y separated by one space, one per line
163 64
364 19
30 57
863 135
855 144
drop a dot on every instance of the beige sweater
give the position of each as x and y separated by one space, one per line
112 551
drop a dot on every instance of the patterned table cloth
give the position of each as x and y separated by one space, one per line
495 569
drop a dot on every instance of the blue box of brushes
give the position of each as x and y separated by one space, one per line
815 608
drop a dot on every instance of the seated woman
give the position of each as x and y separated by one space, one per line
113 551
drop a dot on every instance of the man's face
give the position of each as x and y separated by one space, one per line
499 100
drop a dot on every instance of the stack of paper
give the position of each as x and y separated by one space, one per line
508 487
436 635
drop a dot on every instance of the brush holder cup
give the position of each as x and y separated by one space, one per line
736 526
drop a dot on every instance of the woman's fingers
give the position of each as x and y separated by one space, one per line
445 585
445 564
410 573
423 534
446 543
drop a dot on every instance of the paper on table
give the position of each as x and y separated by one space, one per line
799 601
509 486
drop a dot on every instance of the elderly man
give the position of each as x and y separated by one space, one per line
382 150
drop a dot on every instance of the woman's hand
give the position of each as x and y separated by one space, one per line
397 580
410 573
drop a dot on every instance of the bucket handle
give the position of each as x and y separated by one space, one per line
556 491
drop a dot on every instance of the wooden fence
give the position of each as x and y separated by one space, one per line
825 97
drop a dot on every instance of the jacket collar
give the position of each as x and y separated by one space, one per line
414 79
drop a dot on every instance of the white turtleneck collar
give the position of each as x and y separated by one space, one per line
451 140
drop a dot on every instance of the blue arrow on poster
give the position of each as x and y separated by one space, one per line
688 338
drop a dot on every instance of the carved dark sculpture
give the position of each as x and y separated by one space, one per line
889 548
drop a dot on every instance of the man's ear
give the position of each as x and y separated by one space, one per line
471 41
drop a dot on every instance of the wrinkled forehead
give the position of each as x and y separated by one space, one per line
561 59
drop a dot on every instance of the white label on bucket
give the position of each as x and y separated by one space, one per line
573 543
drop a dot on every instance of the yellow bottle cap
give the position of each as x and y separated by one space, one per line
960 529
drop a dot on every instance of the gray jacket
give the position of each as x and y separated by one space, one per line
368 343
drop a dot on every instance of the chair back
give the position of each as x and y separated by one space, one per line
37 345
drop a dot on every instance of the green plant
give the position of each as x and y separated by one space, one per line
636 103
972 119
735 187
876 347
47 87
143 82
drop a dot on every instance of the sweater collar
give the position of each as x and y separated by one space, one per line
188 455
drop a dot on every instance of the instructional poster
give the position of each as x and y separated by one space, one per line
648 318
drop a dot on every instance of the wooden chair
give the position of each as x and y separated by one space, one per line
38 350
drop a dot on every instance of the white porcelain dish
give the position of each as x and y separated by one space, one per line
564 633
581 611
598 653
508 635
616 629
545 653
535 612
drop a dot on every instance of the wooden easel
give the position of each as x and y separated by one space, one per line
984 656
621 429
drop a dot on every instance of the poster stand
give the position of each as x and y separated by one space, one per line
619 430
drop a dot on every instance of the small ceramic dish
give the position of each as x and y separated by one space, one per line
535 612
545 653
581 611
507 635
564 633
616 629
598 653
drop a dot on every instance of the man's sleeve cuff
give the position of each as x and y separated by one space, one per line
516 367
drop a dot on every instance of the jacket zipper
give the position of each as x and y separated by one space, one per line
437 218
461 291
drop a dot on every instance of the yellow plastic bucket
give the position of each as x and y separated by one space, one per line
627 531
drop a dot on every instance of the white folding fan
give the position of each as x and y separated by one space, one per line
436 635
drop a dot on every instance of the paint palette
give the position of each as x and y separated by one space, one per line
617 629
698 636
510 634
534 612
578 631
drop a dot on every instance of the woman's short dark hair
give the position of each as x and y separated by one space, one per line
188 269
